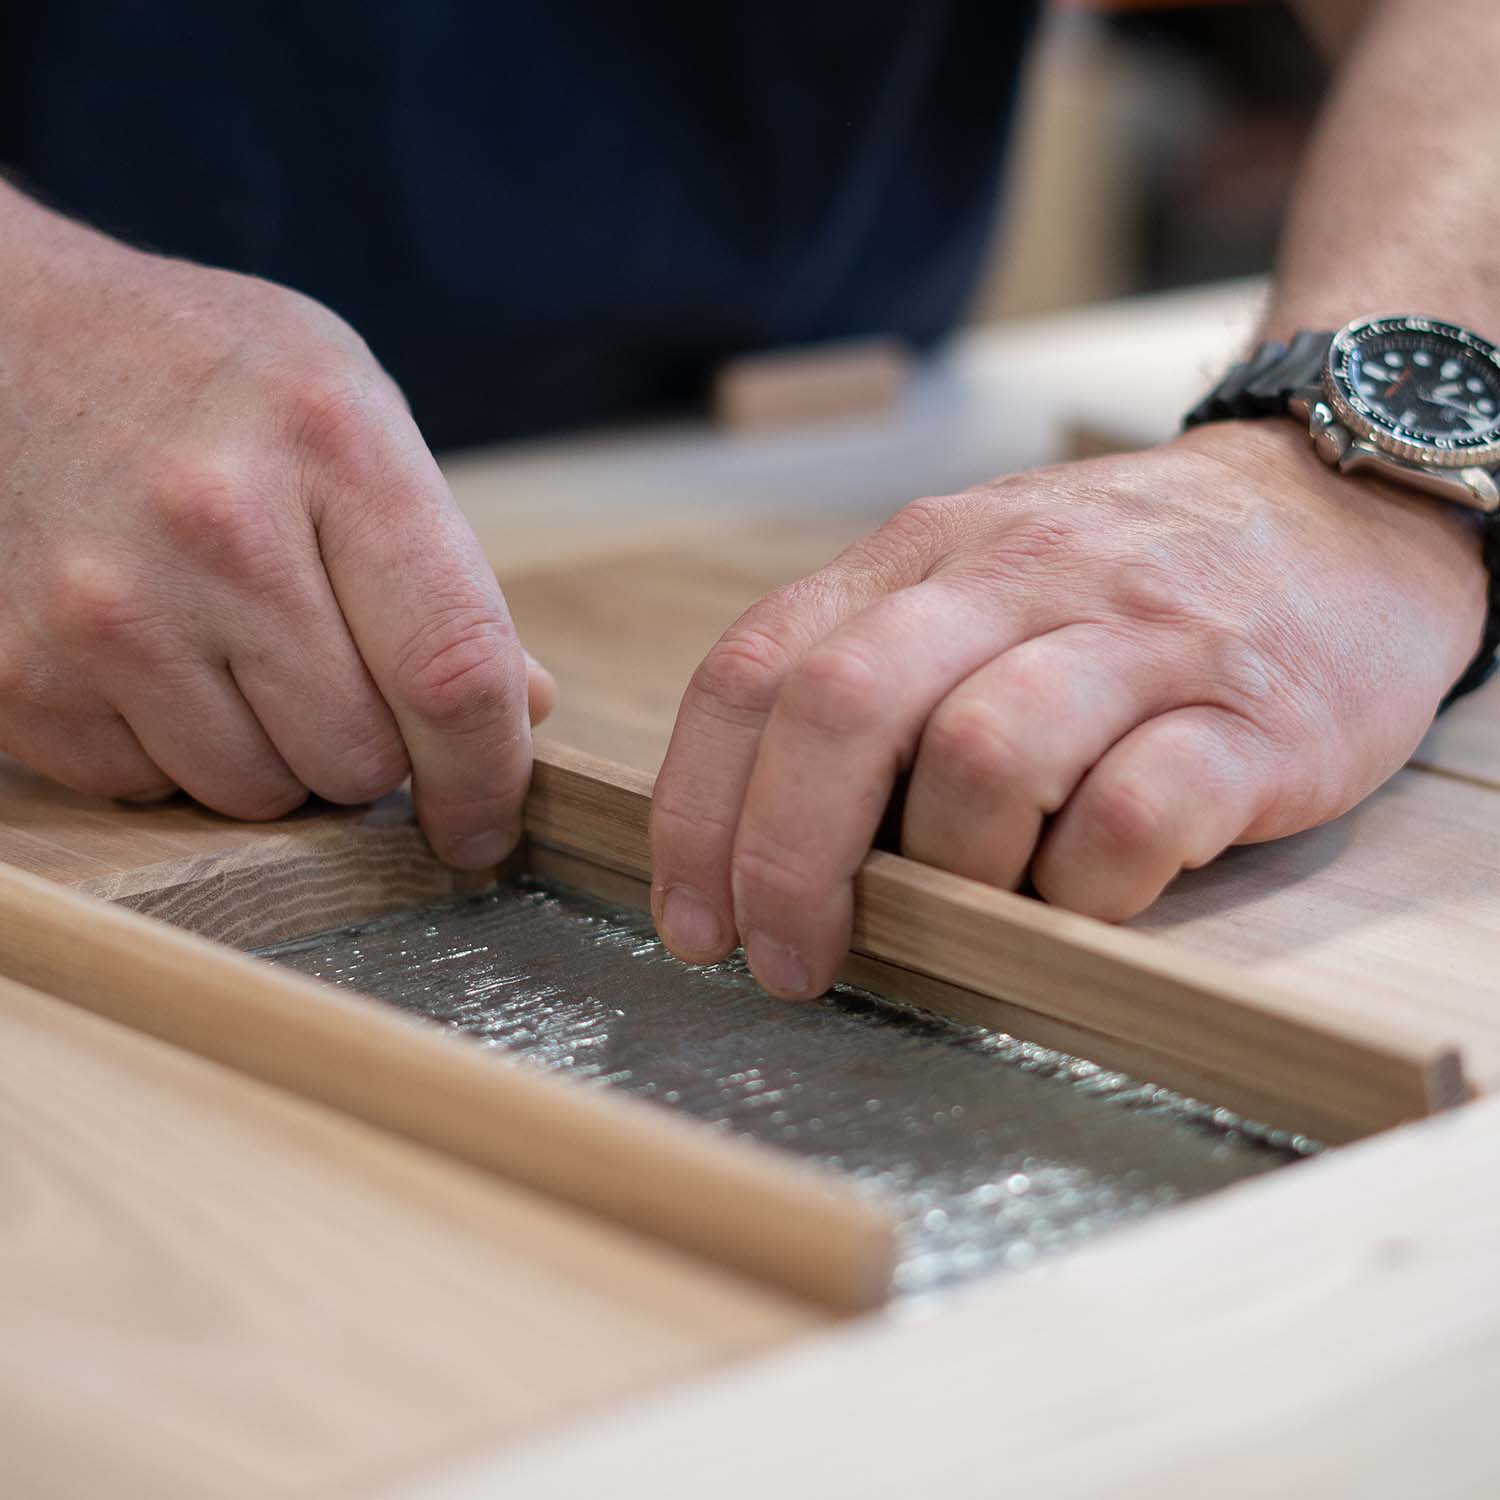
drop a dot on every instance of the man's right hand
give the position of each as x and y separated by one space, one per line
228 562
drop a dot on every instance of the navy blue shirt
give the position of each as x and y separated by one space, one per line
542 212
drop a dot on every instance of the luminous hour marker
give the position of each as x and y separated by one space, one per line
1393 357
1366 389
1474 384
1485 404
1421 357
1451 367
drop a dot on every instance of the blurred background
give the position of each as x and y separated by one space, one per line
1155 148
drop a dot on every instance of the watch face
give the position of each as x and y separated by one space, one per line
1429 391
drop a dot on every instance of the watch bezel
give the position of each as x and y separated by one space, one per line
1390 437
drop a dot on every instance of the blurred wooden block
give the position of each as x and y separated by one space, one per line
816 383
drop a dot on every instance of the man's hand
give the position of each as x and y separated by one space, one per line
228 562
1097 675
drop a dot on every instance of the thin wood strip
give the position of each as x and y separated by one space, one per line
735 1203
1173 1005
970 1008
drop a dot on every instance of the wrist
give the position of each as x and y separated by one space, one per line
1435 543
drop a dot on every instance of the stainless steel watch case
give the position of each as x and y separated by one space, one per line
1352 441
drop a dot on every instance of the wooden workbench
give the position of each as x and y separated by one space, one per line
217 1287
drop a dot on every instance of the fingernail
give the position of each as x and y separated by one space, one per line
477 851
776 967
689 924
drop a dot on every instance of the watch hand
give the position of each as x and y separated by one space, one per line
1474 417
1401 380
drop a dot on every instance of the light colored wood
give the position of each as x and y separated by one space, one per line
211 1287
1364 1075
621 667
738 1204
814 383
1390 914
1332 1330
1465 741
244 883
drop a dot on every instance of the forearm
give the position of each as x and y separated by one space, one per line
1397 208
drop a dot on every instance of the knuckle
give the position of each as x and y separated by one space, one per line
1038 539
97 603
1039 550
738 680
766 872
216 519
365 772
1151 592
453 672
920 529
969 743
1240 673
834 691
1125 818
679 826
332 414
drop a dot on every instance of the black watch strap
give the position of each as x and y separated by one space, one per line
1482 668
1263 385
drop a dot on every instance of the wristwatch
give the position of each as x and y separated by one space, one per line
1410 400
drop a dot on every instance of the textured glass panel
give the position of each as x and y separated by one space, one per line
994 1150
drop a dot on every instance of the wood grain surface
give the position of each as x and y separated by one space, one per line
211 1287
244 883
740 1205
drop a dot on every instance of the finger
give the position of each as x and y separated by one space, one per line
428 619
846 721
701 786
1005 749
1173 794
541 690
95 754
196 725
303 678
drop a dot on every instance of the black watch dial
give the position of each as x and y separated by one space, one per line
1431 386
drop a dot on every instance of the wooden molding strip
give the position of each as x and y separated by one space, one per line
1198 1016
737 1204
